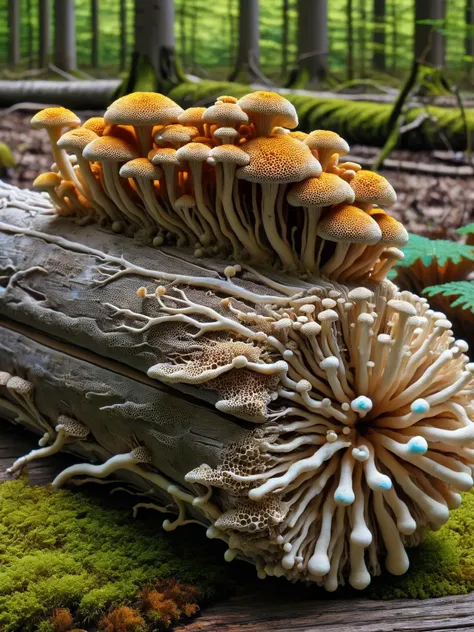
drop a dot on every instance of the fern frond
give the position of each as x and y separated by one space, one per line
463 290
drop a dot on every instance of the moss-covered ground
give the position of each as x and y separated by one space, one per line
67 561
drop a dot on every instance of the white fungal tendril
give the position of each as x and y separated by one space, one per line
363 404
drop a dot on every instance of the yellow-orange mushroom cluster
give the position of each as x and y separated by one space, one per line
228 180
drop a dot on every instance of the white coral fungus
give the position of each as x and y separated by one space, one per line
365 425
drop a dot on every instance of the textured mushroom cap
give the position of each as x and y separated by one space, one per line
46 181
302 136
177 133
141 454
225 114
359 294
186 201
193 152
327 140
373 188
393 232
141 168
349 223
191 116
19 385
72 427
226 99
226 132
230 154
278 159
326 190
96 124
393 253
163 156
270 104
75 140
109 149
402 307
54 117
143 108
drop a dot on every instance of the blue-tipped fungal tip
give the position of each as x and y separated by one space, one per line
417 445
361 404
344 497
384 483
420 406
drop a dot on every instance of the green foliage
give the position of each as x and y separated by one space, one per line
441 251
468 229
356 121
463 290
64 550
6 157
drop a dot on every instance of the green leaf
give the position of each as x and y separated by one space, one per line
428 250
464 290
6 157
466 230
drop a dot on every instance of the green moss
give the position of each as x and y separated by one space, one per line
64 550
442 565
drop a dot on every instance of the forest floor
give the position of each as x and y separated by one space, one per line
428 204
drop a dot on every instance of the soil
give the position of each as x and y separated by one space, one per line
430 205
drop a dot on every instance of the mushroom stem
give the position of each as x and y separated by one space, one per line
96 190
113 188
337 258
312 215
61 158
41 452
144 138
220 212
196 172
157 212
269 197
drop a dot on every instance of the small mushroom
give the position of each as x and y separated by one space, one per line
371 189
324 144
267 110
48 182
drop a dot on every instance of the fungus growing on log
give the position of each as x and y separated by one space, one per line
358 396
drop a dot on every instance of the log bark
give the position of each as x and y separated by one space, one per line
313 47
429 42
44 20
14 27
65 35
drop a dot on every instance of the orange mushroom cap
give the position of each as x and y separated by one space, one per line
372 188
326 190
350 224
143 109
268 110
54 117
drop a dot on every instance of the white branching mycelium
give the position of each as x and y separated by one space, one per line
358 399
229 180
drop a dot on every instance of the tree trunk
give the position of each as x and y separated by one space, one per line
379 35
313 39
44 20
123 34
394 34
232 30
182 33
14 29
247 68
350 41
429 43
194 29
154 65
284 38
65 35
95 33
361 37
469 39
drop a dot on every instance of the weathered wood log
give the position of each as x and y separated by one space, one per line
279 410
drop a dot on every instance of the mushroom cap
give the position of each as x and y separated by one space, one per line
226 99
109 149
72 427
302 136
54 117
372 188
326 190
143 109
96 124
177 133
191 116
76 139
278 159
141 168
327 140
163 156
230 154
271 104
393 253
394 234
226 132
186 201
193 152
225 115
47 180
349 223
